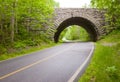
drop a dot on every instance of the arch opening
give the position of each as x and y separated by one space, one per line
74 33
85 23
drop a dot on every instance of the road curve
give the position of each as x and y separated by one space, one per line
63 63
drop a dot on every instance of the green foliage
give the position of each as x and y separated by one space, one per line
113 9
2 49
25 51
19 45
75 33
111 71
63 34
105 62
23 22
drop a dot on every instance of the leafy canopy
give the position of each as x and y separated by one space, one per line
113 10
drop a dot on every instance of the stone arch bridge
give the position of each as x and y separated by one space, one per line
92 20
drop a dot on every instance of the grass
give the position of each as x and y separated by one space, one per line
105 64
25 51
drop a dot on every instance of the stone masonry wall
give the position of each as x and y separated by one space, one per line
94 15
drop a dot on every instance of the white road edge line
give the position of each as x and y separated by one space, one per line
82 66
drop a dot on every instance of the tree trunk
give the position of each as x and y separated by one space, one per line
16 24
13 22
12 28
1 28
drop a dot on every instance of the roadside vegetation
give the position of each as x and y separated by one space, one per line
105 64
25 51
23 26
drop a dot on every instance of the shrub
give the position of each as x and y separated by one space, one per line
19 44
2 49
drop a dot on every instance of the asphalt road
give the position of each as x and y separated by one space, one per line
63 63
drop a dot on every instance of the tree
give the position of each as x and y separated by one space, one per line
113 9
18 17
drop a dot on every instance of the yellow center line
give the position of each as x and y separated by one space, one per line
26 67
33 64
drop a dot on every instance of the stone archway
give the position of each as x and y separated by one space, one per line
80 21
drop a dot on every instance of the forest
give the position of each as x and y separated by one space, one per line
23 23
